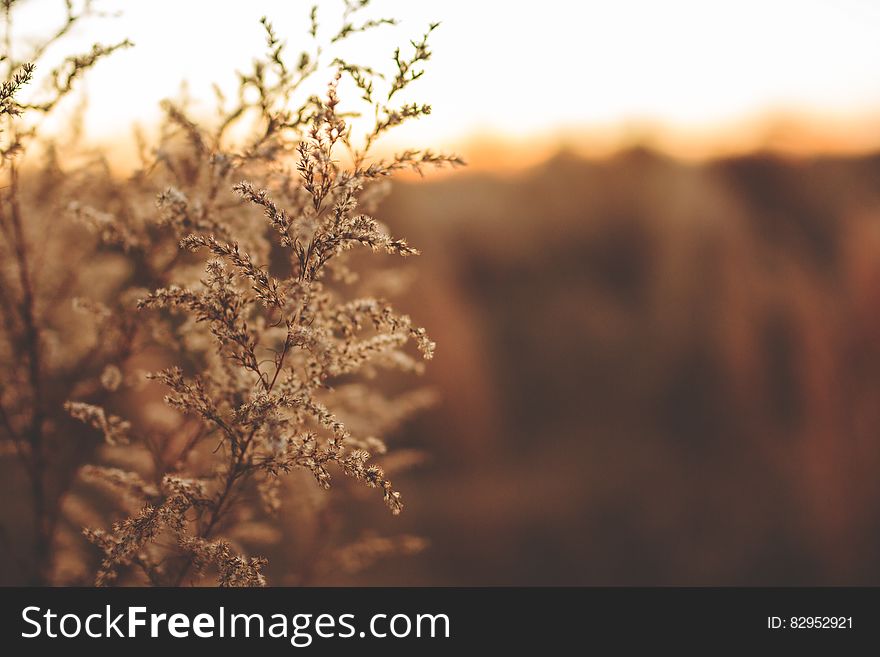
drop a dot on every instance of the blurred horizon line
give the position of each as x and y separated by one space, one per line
789 134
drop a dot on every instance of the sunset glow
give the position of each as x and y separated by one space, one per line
527 78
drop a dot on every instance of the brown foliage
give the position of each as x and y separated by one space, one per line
255 326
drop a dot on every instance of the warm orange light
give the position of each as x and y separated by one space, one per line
688 75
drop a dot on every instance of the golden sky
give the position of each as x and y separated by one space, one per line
691 75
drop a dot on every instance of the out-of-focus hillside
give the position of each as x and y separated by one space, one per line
650 373
654 373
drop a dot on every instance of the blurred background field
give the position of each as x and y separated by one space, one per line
652 372
656 292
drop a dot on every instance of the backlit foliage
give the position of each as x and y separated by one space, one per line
243 292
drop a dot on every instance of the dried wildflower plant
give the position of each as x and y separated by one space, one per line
36 375
242 277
